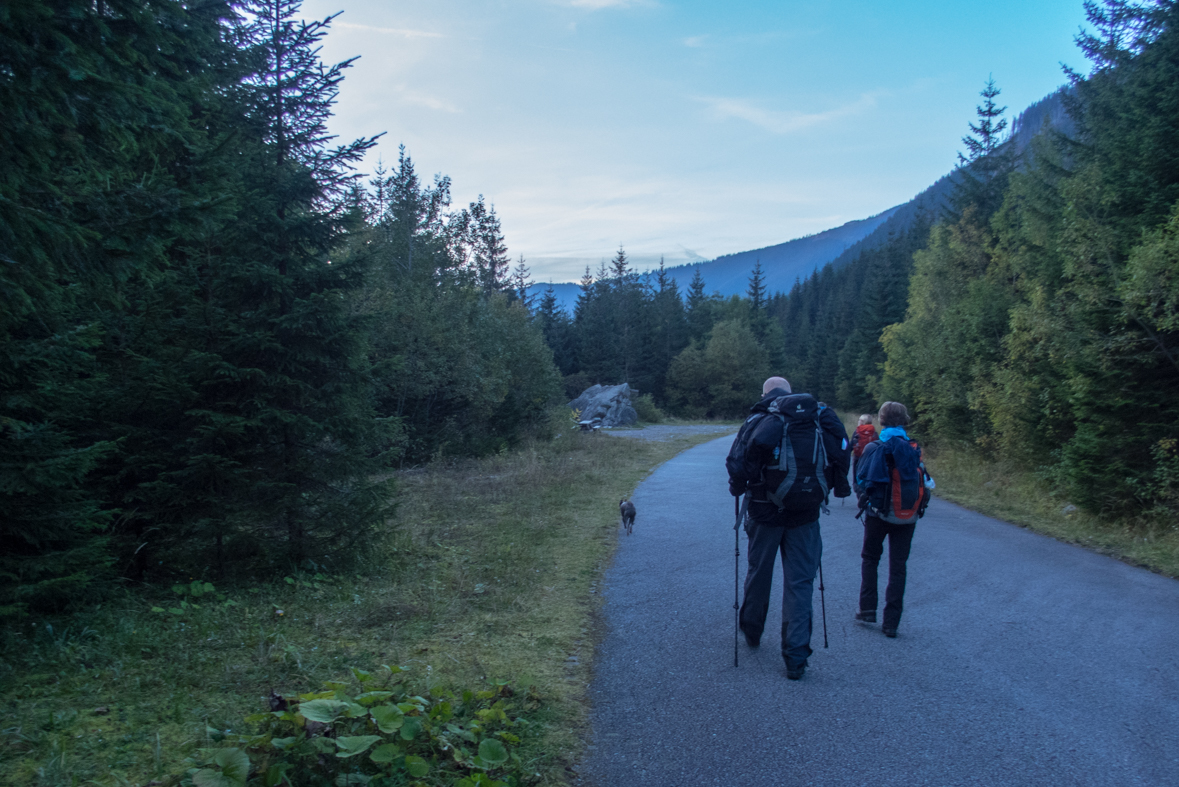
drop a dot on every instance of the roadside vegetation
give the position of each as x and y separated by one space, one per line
488 573
1147 537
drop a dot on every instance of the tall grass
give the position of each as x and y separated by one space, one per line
488 572
997 488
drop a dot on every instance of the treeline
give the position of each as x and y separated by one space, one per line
215 340
1035 317
695 354
1042 320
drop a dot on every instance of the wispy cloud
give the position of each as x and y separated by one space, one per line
424 100
597 5
779 122
396 31
695 41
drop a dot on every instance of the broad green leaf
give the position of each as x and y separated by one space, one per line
353 780
416 766
234 763
282 743
206 777
388 717
274 774
158 609
361 675
369 697
324 711
493 752
318 695
352 745
386 752
355 711
410 729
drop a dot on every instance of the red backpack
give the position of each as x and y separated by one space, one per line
863 435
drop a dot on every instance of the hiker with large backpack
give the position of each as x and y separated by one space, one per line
893 488
789 454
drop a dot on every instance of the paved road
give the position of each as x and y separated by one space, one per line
1020 660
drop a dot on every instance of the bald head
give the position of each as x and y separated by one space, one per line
775 382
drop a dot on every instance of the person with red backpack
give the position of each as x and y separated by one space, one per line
865 433
893 486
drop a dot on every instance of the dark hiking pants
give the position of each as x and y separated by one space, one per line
801 548
900 539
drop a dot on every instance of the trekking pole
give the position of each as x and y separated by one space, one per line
822 602
736 574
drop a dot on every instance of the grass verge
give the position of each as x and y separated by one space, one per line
1020 497
489 572
999 490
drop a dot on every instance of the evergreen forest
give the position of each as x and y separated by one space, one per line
218 338
1032 317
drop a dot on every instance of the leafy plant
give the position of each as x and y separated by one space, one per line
371 732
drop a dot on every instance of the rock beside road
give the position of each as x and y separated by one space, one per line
610 403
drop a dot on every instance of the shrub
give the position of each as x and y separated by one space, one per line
372 733
647 410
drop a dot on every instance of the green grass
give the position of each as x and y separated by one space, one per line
997 489
489 572
1002 491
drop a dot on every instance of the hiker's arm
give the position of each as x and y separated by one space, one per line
737 461
838 452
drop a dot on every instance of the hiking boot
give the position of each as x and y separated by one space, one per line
795 672
866 616
890 633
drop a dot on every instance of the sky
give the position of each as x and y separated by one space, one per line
683 129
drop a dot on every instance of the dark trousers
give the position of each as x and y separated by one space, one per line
900 539
801 549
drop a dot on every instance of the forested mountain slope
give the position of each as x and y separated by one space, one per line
784 263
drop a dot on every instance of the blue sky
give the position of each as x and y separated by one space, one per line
684 129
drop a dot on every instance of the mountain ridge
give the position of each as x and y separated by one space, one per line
784 263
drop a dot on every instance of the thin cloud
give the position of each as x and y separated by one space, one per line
598 5
423 100
695 41
396 31
779 122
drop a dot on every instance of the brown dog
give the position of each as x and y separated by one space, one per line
627 510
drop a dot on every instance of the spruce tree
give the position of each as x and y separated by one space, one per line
699 307
291 410
982 172
104 142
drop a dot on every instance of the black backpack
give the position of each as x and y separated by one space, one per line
794 480
797 480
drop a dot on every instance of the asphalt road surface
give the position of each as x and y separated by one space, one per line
1020 660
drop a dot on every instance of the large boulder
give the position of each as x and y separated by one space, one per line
611 403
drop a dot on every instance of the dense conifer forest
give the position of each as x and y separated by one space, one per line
1032 317
217 338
